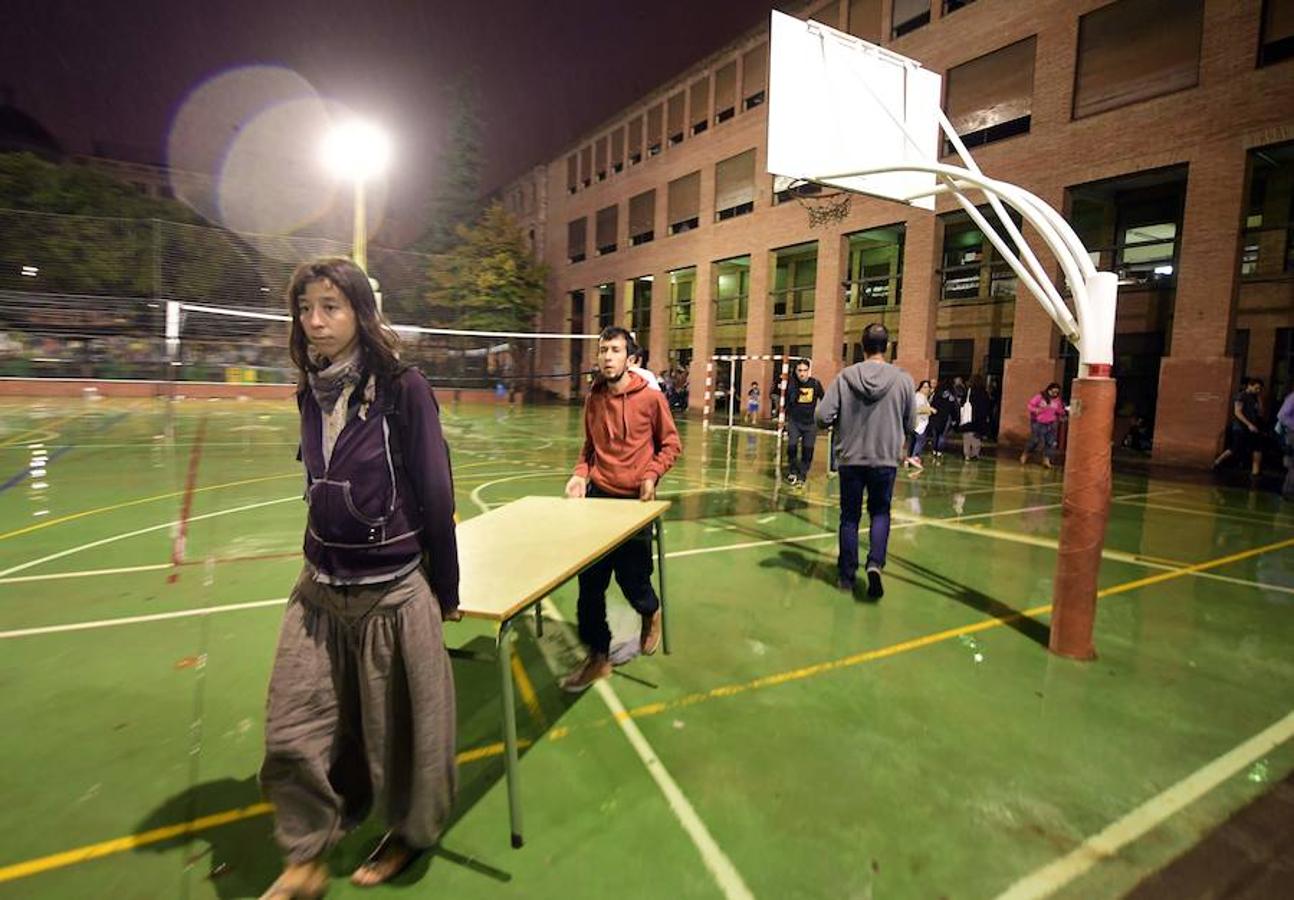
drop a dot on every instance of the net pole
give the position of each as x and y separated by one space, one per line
783 382
732 388
709 389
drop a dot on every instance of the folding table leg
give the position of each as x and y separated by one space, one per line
510 731
660 580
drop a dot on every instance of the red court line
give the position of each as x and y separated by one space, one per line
186 507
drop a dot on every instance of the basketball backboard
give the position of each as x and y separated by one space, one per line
838 104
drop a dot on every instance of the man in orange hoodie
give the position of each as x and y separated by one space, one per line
629 442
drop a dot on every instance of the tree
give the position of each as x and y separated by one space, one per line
84 232
456 198
489 281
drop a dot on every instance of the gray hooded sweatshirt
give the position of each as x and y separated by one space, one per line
871 405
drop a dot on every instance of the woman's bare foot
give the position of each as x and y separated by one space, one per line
391 857
300 881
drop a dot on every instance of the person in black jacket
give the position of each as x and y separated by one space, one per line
802 396
975 430
947 411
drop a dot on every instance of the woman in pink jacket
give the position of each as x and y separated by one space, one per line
1046 409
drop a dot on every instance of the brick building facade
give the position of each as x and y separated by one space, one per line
1163 129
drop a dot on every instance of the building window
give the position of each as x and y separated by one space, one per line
586 166
635 139
956 358
734 186
618 150
642 218
655 126
725 93
731 289
606 305
699 112
608 223
1277 40
682 288
577 239
795 279
572 174
972 270
875 276
600 159
954 5
1267 250
991 97
1133 50
754 76
676 110
865 19
1130 225
909 15
803 189
640 308
683 204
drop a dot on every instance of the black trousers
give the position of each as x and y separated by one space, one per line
631 563
799 447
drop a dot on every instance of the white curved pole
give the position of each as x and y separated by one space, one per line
1015 196
1021 245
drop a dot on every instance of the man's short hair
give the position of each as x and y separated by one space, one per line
611 332
876 337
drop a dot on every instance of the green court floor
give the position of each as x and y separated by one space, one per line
796 743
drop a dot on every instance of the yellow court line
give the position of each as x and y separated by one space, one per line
526 688
165 833
116 506
118 845
49 427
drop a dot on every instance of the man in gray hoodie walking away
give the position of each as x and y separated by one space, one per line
871 404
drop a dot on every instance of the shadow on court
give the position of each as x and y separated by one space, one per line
930 580
241 859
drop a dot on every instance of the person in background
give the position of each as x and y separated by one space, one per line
977 427
1046 410
921 431
947 410
802 396
1244 432
1285 432
752 404
871 407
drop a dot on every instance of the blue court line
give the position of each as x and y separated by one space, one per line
21 475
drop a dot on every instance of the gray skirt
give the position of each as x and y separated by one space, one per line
360 715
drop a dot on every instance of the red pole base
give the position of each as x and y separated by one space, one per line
1085 511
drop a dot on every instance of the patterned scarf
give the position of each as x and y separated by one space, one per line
327 385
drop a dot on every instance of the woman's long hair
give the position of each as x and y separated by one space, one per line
379 344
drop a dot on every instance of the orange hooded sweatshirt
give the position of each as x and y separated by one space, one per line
627 437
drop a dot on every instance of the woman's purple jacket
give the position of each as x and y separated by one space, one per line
372 511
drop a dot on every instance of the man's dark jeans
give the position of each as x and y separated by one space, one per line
631 563
878 481
800 441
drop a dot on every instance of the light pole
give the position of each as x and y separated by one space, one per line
358 151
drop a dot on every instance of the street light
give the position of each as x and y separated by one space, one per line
357 151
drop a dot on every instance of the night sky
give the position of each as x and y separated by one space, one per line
117 72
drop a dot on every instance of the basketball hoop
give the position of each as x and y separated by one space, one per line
825 209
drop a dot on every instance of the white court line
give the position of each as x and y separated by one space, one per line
137 620
716 861
87 573
1106 844
1252 520
485 507
129 534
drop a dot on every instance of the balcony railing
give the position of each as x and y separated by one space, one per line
731 309
1267 252
963 283
793 301
872 292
